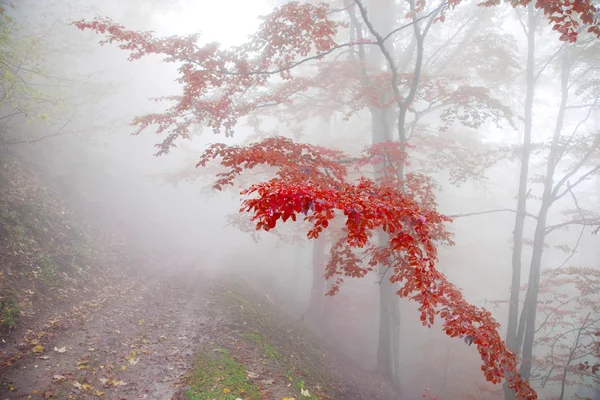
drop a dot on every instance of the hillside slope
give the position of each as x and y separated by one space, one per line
55 266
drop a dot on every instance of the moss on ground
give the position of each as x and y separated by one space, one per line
218 375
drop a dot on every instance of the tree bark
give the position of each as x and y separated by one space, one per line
317 294
531 297
381 15
517 254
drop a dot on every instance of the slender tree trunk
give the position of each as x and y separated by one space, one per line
517 254
531 298
388 349
297 270
317 293
381 14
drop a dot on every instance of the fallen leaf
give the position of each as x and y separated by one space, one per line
98 393
103 380
77 385
123 368
252 375
226 390
304 392
115 382
38 349
141 322
59 378
60 349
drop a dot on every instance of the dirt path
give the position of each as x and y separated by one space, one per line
148 343
136 347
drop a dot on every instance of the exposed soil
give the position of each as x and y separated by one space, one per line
143 344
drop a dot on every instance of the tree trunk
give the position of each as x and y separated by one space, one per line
548 199
513 308
388 350
382 121
317 294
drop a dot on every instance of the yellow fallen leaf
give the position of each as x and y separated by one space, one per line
141 322
86 386
36 392
226 390
38 349
123 368
98 393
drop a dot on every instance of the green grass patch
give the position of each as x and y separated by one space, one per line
283 338
9 312
218 376
266 348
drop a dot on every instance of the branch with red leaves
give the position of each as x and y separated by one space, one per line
311 184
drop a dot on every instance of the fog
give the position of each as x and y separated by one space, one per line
466 129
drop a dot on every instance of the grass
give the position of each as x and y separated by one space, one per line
9 312
218 375
281 338
266 348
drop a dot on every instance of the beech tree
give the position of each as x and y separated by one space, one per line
396 208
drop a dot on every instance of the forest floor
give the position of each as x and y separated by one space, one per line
177 337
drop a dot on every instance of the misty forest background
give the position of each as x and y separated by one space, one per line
505 118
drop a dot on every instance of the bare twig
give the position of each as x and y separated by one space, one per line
59 132
490 212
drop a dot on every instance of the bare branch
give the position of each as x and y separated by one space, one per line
490 212
577 182
575 169
414 21
584 222
59 132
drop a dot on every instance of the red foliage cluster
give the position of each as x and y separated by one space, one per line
312 181
569 17
216 81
